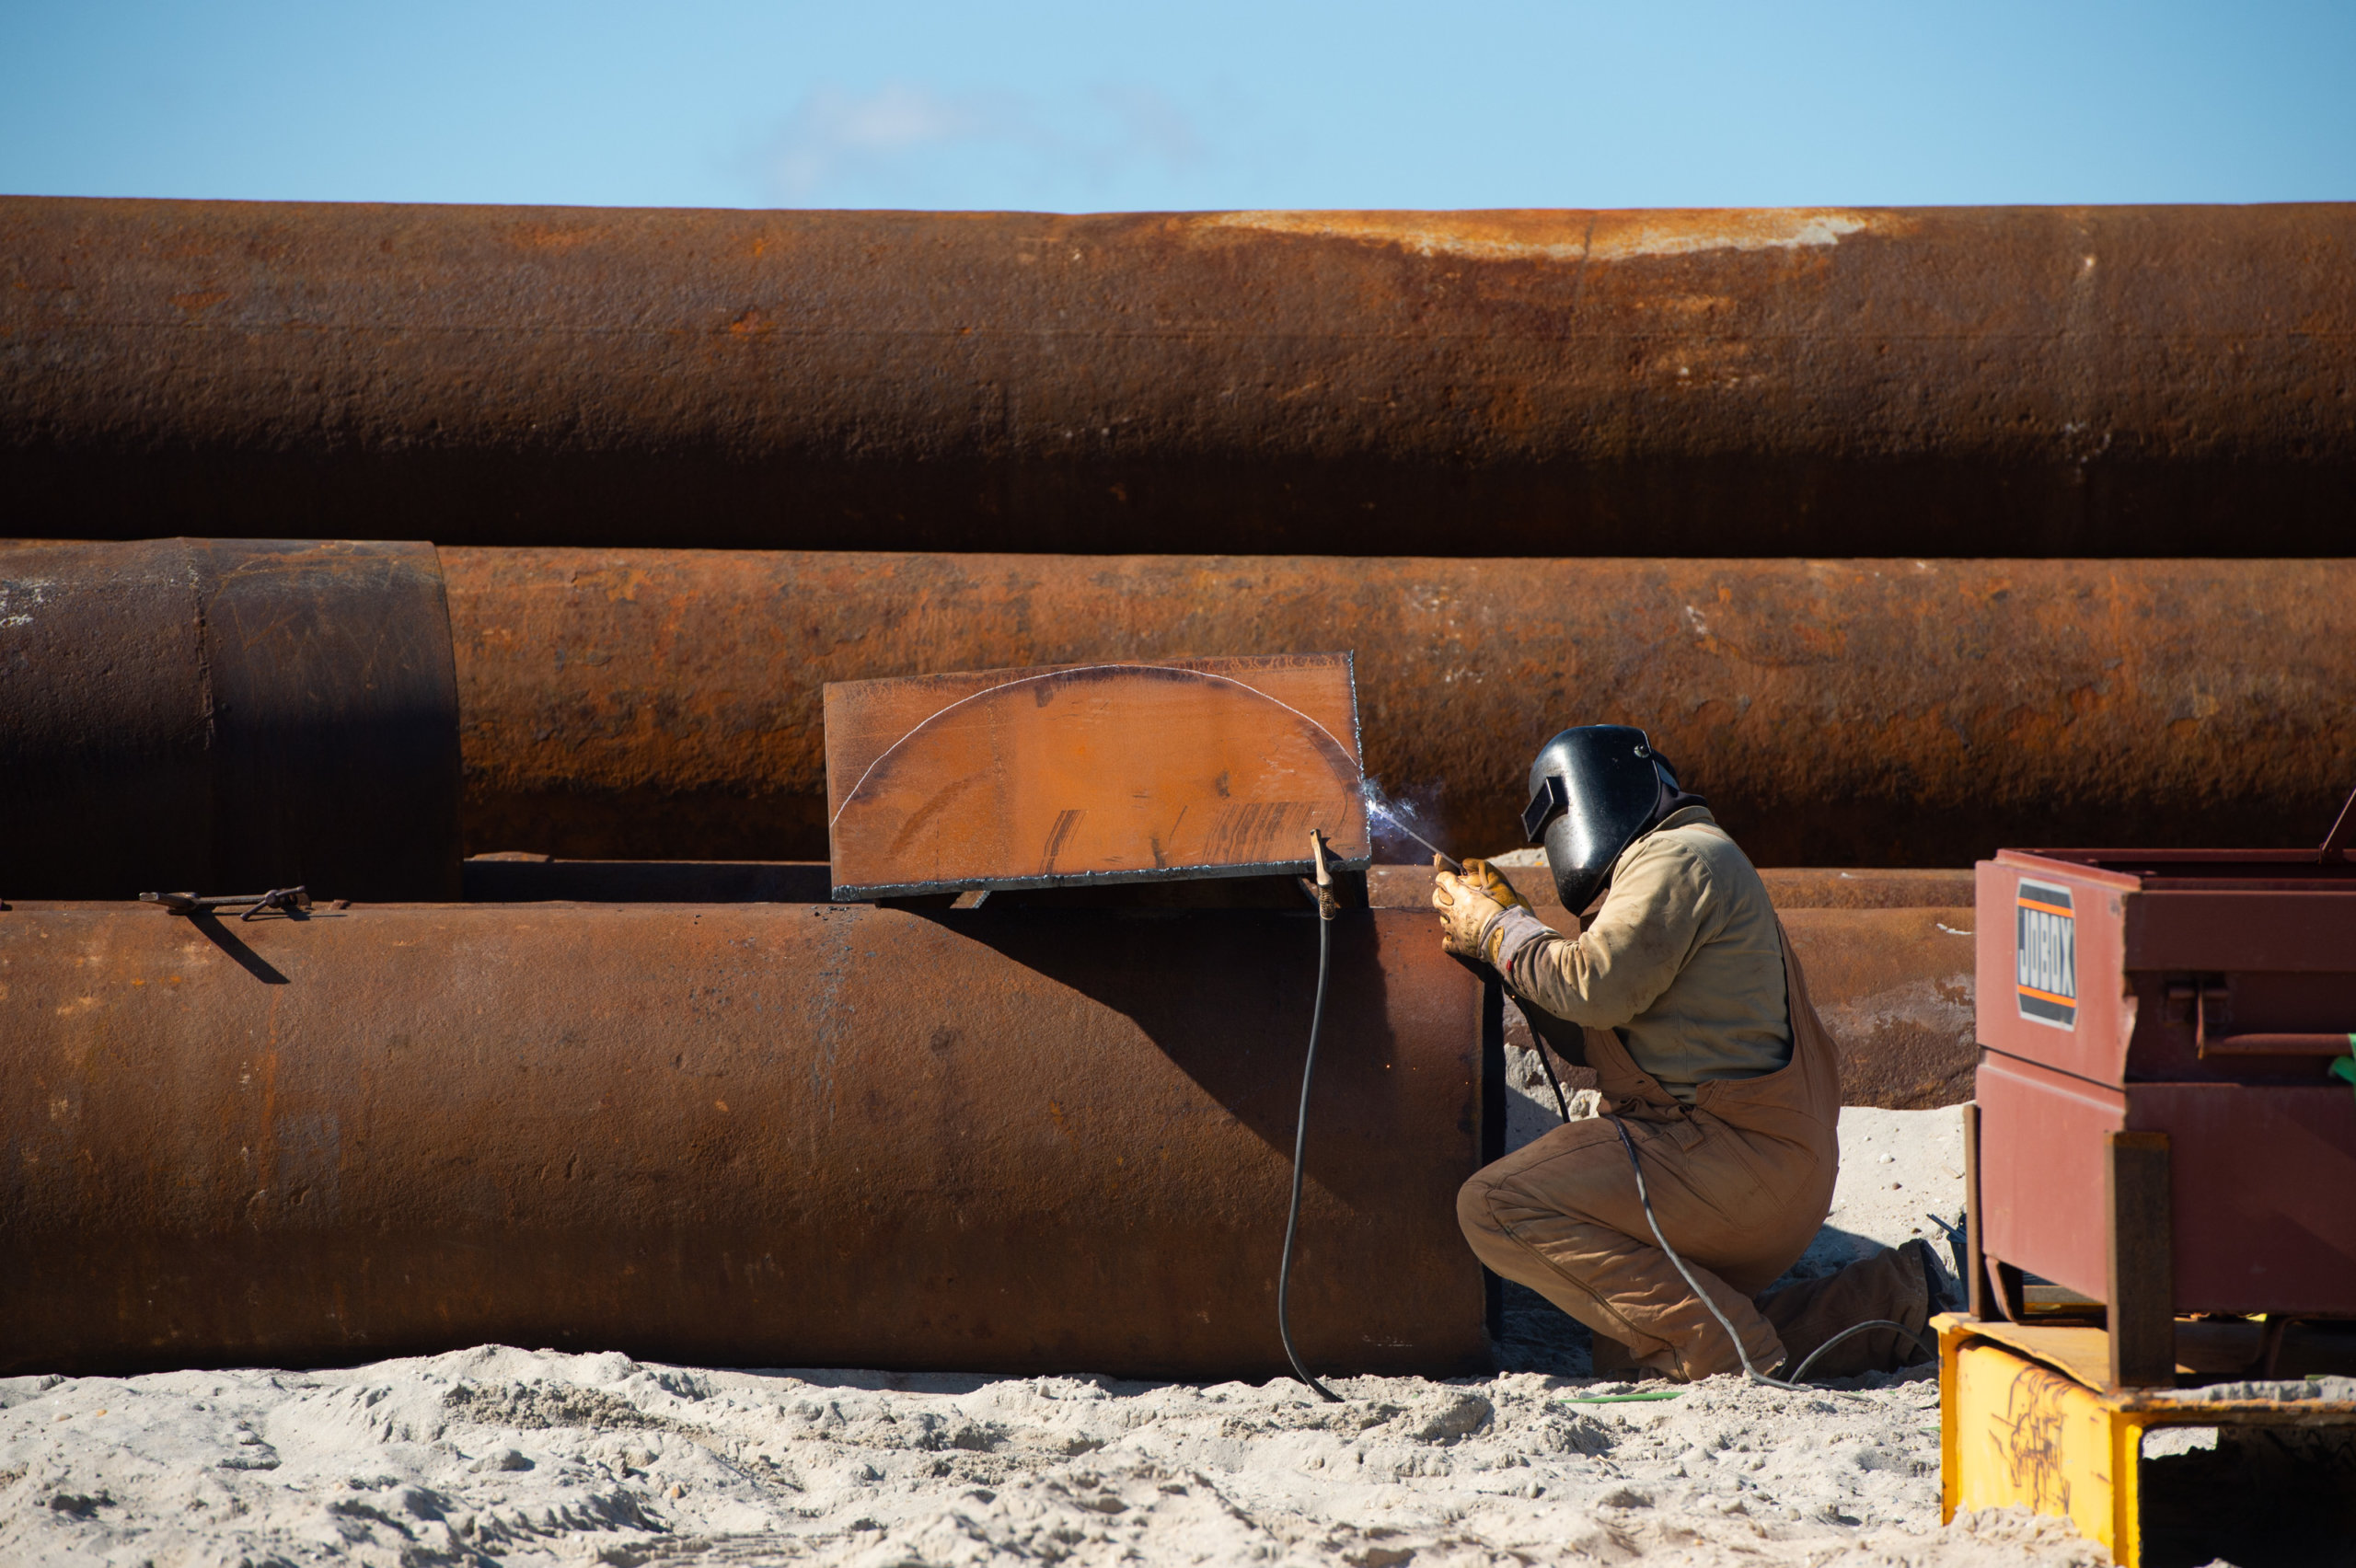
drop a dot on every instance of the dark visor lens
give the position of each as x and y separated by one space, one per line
1551 799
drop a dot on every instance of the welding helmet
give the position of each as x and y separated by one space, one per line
1592 791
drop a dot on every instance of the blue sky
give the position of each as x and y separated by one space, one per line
1110 106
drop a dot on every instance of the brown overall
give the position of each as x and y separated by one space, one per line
1740 1180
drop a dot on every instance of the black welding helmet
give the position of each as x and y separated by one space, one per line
1592 791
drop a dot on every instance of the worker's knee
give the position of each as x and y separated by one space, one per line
1484 1211
1501 1199
1489 1234
1566 1174
1473 1214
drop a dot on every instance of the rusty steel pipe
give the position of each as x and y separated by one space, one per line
666 704
1956 381
226 715
736 1135
1888 953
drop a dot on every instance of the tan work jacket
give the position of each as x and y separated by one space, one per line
1682 963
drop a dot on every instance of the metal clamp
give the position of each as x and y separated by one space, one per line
294 901
1322 890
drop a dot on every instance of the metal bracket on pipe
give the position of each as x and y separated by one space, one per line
294 901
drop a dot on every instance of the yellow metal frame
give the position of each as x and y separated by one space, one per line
2019 1425
2013 1433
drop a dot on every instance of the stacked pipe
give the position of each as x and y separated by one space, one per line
1906 533
1966 382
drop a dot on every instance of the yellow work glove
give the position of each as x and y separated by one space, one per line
1492 881
1468 907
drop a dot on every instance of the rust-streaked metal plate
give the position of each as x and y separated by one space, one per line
1075 773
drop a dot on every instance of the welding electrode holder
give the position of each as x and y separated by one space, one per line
1322 889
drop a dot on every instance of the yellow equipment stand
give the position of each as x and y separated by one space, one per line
2025 1421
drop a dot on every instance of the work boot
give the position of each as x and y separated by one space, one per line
1896 1285
1958 1248
1944 1286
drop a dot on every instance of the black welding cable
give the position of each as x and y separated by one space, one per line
1643 1197
1793 1385
1563 1106
1546 1061
1299 1141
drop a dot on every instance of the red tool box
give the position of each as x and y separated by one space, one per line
2161 1126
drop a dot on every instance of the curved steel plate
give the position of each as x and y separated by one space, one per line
1045 777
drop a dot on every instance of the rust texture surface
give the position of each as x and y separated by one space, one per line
795 1134
1888 954
2064 381
1115 771
224 717
1835 887
1894 987
654 704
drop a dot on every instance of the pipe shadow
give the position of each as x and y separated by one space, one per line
229 942
1226 997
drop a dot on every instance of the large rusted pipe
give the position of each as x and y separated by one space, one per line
226 717
1956 381
755 1133
1888 953
665 704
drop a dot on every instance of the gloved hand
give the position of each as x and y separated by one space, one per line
1467 909
1492 881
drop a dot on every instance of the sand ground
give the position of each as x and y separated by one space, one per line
511 1455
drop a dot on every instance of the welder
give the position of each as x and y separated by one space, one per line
1719 1088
